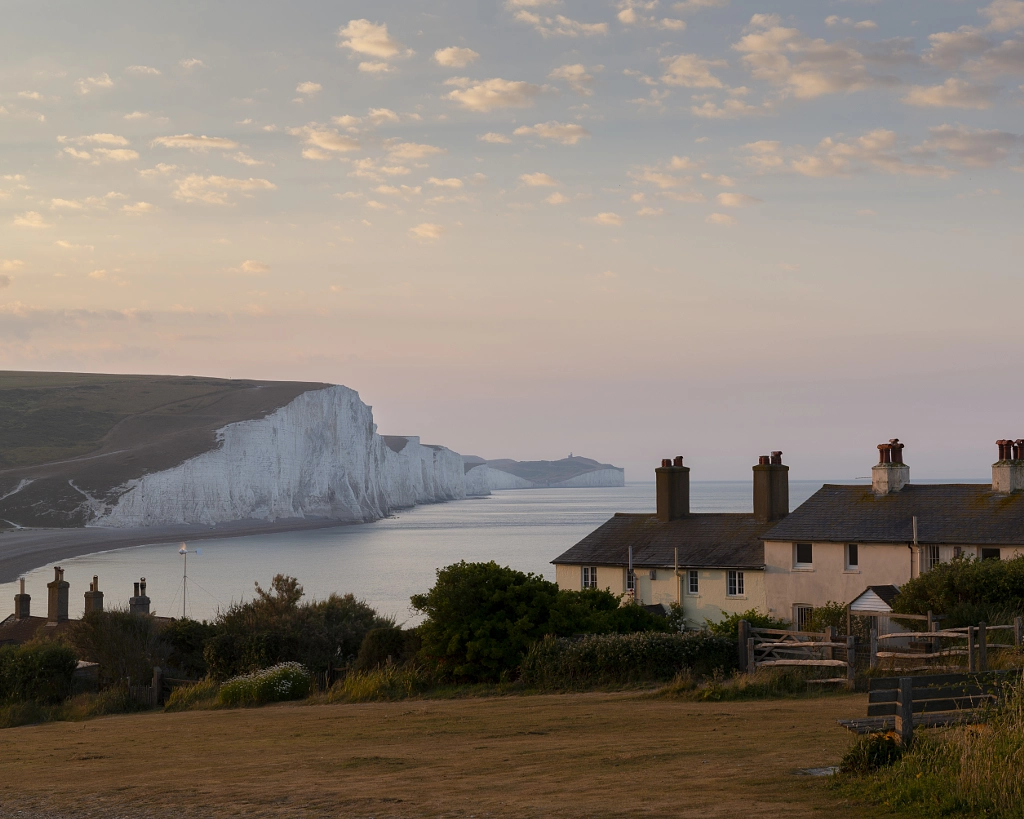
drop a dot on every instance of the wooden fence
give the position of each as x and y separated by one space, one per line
975 647
781 648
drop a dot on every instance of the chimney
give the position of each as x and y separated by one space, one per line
57 593
1008 471
771 488
22 603
139 604
673 489
94 597
890 474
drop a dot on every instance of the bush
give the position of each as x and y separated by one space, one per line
276 627
729 625
386 645
279 683
871 752
618 659
126 645
195 695
187 639
386 683
967 591
36 672
831 614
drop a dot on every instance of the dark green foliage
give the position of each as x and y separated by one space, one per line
831 614
624 658
386 645
188 639
126 646
967 591
277 627
729 625
482 618
36 672
872 752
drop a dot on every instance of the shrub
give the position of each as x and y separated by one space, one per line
279 683
830 614
616 659
967 591
276 627
386 645
36 672
187 639
386 683
729 625
125 645
195 695
23 713
871 752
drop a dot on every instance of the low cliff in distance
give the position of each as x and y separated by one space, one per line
570 472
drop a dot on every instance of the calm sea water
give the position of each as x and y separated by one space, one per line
384 562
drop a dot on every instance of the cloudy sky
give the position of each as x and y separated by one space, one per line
630 229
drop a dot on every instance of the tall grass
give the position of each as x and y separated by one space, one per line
194 696
386 683
970 771
764 684
281 682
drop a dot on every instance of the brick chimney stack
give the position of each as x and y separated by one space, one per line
673 489
57 598
22 603
94 597
771 488
890 474
139 604
1008 471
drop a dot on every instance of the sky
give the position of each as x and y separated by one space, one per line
629 230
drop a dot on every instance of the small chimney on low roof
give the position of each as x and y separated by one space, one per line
1008 471
673 489
94 597
139 604
57 597
771 488
890 474
22 603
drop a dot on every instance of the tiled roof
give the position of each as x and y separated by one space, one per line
968 514
723 541
21 631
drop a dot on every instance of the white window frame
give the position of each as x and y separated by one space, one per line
796 563
693 582
933 557
852 549
630 581
589 577
802 613
734 583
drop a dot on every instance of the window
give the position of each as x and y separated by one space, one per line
590 577
693 581
990 554
654 574
630 581
802 616
932 558
734 584
804 554
852 557
957 551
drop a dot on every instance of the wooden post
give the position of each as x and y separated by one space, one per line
874 648
905 710
751 661
851 661
744 635
1018 628
982 647
158 685
830 637
970 649
849 620
933 625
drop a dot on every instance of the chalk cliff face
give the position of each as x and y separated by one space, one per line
319 456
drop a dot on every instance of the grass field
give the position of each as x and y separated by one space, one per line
583 755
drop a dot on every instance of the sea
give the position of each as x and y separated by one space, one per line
382 563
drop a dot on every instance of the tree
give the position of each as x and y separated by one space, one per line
967 591
125 645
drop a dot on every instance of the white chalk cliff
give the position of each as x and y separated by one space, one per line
317 457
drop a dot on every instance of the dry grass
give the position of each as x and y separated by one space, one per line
580 755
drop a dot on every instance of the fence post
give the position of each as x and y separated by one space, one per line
982 647
1018 628
970 649
744 635
874 648
851 661
751 662
158 685
933 625
905 710
830 637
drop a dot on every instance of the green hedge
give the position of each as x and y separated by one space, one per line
624 658
36 673
285 681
